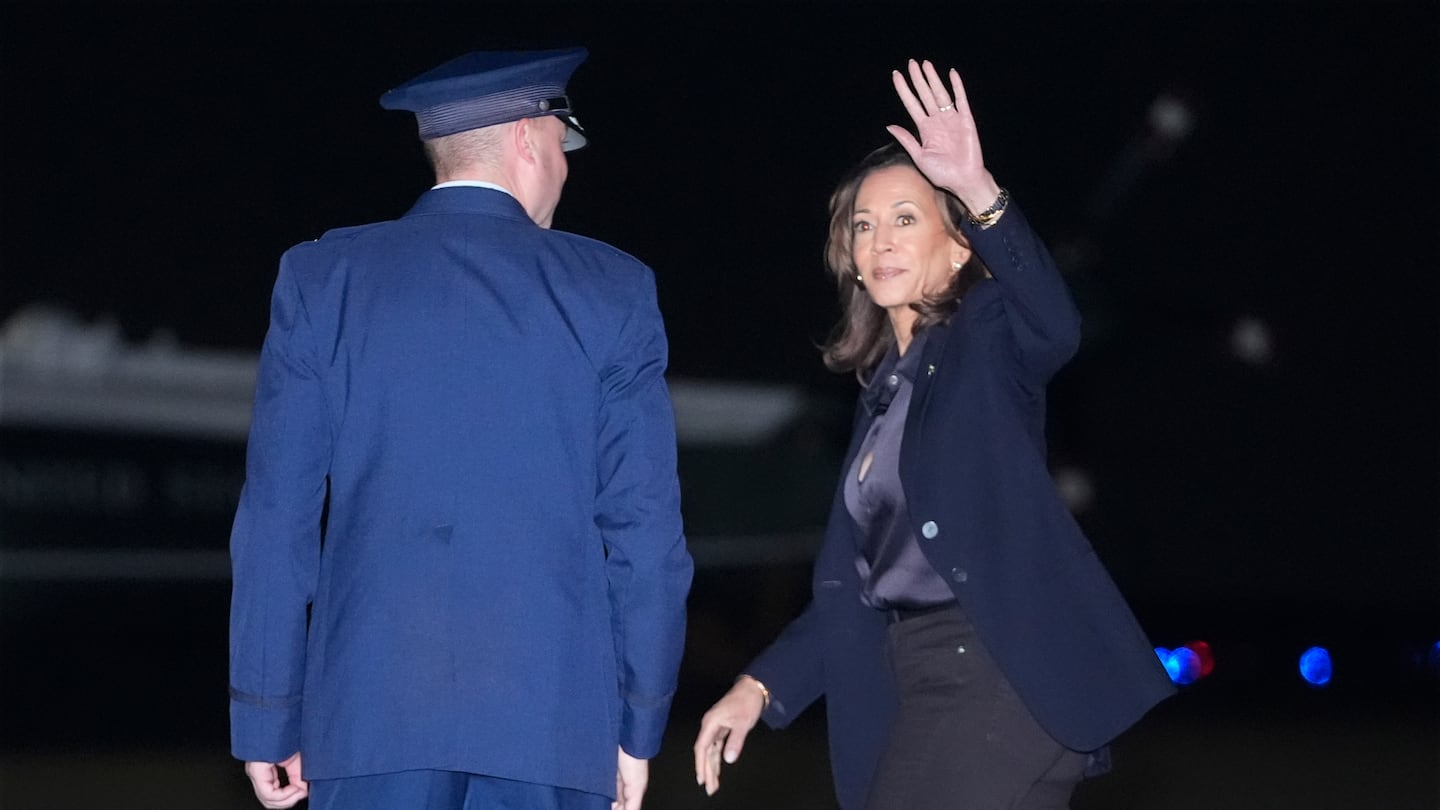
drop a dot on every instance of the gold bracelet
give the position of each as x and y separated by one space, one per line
992 215
765 693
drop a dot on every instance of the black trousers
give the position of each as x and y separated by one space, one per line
962 739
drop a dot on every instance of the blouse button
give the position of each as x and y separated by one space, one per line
929 530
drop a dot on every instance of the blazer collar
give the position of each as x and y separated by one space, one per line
921 374
878 394
468 200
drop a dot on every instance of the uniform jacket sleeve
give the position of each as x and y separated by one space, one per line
638 512
275 541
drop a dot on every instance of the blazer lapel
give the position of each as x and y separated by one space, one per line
859 427
930 359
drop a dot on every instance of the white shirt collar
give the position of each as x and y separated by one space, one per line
473 184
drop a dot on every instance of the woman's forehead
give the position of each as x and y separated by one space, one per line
892 183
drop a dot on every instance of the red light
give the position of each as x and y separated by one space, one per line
1206 658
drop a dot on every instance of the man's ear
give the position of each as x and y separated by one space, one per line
524 134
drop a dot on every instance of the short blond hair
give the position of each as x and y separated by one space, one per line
450 155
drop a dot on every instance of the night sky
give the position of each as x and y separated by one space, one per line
157 159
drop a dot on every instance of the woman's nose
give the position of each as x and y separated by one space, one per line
881 242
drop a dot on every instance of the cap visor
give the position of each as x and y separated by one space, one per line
575 137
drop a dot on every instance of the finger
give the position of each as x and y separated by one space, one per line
906 140
937 87
922 88
712 770
734 744
962 101
260 772
907 97
707 755
283 798
295 777
264 780
709 739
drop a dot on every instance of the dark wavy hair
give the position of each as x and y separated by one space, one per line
863 335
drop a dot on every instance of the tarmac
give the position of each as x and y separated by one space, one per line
113 695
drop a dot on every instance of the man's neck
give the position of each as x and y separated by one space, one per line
473 184
488 178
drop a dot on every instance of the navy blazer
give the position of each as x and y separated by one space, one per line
986 513
501 583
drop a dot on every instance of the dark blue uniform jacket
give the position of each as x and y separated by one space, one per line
500 588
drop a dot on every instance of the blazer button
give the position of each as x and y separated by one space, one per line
959 574
929 529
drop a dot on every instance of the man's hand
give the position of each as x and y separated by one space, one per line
265 778
631 777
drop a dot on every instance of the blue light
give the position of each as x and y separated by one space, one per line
1181 664
1167 660
1315 666
1427 660
1187 666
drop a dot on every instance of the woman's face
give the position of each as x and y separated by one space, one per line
901 247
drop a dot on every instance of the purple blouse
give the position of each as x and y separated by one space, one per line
894 573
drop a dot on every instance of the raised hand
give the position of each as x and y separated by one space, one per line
947 150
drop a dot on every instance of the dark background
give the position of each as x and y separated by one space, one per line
156 159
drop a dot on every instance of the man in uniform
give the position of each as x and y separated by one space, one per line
459 569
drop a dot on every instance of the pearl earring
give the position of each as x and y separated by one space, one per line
956 267
859 279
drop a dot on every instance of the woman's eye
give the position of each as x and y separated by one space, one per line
861 226
905 219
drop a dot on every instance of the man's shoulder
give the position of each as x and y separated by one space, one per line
335 237
599 251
